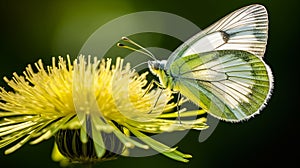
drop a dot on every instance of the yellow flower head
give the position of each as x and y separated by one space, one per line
92 103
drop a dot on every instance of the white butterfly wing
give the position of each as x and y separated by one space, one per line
244 29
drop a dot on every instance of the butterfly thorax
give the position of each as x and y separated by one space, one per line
158 68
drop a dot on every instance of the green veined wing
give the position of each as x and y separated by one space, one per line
230 85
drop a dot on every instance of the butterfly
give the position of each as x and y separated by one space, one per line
221 69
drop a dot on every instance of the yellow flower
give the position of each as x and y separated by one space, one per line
93 109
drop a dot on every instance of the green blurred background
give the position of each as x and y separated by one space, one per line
31 30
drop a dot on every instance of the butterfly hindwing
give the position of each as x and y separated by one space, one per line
231 85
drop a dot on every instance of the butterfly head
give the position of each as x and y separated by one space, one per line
157 66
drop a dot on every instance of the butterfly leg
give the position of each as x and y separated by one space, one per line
158 84
156 100
150 86
177 106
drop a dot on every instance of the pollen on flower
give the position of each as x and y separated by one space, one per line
97 102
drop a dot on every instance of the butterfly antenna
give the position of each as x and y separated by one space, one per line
133 49
139 65
144 50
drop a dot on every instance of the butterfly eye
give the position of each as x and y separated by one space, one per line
152 65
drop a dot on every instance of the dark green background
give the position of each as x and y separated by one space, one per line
41 29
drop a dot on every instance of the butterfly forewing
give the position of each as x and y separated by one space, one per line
231 85
244 29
